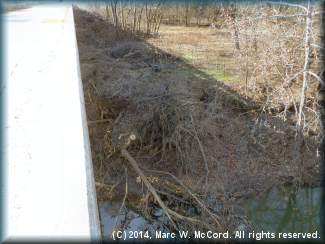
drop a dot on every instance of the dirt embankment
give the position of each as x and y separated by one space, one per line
186 122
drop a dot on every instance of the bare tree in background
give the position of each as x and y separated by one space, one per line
233 13
186 12
278 53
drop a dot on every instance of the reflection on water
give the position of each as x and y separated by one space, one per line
278 211
132 221
288 209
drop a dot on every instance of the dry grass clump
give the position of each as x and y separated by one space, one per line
92 29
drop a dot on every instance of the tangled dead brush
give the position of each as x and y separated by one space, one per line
192 143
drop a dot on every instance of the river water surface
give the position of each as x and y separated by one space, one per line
288 209
283 212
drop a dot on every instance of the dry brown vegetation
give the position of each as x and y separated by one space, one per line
13 8
184 95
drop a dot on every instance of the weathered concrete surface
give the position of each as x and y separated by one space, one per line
50 177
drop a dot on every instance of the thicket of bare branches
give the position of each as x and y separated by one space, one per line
275 56
277 50
141 18
185 126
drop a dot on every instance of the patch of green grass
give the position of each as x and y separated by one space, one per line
189 58
232 99
225 77
219 74
177 51
199 75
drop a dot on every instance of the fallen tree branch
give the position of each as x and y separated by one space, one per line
168 195
119 117
146 182
94 55
100 121
289 4
94 85
114 186
129 55
175 178
167 210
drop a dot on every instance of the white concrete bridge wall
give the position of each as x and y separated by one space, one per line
50 188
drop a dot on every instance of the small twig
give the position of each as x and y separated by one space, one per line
94 86
95 55
115 185
119 117
132 54
100 185
162 66
100 121
201 147
123 203
141 73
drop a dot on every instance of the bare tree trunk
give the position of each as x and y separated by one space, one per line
178 18
246 60
114 12
97 3
233 17
255 37
134 18
186 13
197 11
107 10
148 19
306 65
279 12
122 22
214 15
